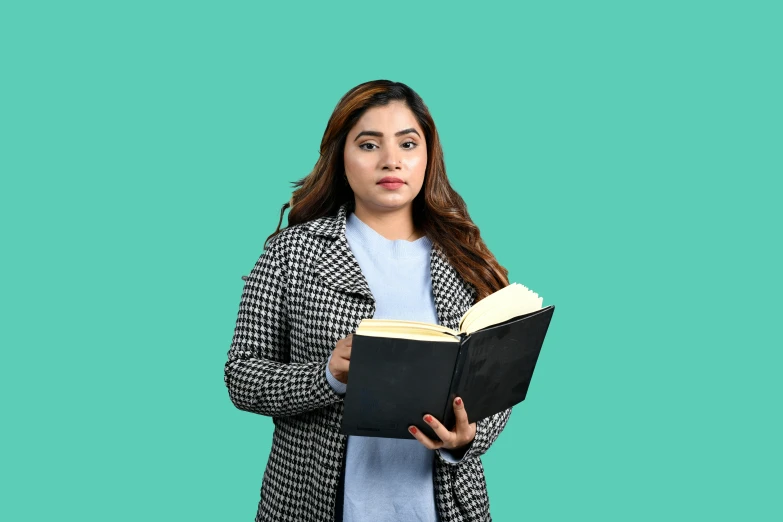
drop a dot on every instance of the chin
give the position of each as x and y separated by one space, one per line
391 202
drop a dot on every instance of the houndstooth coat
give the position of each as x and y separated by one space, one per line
305 292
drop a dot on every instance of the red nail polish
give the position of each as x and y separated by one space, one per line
459 401
428 418
413 429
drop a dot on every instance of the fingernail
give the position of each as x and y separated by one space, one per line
428 418
413 429
458 401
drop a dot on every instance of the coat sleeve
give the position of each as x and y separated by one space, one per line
258 374
487 431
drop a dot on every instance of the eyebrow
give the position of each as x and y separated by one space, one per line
380 134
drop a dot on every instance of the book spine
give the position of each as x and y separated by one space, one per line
449 419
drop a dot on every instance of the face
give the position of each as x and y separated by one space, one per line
387 141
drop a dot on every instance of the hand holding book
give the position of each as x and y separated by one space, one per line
463 433
341 359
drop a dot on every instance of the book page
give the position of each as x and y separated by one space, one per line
510 301
399 323
397 333
405 329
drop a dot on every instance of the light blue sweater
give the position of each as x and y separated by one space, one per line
390 479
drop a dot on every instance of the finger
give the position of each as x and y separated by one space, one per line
461 415
446 436
421 437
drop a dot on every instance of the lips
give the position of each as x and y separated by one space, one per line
390 179
391 183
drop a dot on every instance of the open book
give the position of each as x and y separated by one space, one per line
508 302
401 370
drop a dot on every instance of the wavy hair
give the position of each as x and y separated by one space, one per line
438 210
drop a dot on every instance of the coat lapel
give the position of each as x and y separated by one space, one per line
453 295
337 265
340 270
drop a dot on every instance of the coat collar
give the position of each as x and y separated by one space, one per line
339 269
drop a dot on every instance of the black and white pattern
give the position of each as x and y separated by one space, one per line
305 292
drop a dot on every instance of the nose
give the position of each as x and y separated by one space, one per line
391 159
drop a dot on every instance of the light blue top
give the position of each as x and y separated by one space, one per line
390 479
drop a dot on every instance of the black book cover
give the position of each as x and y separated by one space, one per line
393 383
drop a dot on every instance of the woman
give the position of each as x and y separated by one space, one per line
375 230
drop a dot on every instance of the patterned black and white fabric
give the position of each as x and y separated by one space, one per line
305 292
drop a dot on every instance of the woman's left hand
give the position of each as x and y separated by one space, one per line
462 435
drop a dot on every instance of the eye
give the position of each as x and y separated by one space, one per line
412 144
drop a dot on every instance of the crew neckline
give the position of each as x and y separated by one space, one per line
396 248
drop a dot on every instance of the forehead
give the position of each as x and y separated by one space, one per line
393 117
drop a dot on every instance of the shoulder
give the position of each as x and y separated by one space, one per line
296 236
300 244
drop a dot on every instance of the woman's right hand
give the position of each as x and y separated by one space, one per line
341 359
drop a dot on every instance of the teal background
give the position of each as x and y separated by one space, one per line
622 159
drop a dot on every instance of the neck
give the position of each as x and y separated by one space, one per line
392 224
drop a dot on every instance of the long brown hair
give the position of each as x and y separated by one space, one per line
438 210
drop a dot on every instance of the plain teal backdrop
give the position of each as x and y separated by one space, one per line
623 159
